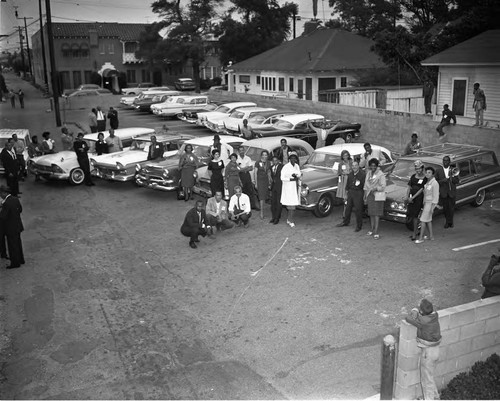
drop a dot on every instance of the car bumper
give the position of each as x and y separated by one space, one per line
189 120
112 176
202 191
156 183
392 215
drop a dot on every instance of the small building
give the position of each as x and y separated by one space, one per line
321 60
460 66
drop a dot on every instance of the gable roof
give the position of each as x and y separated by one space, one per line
483 49
121 31
321 50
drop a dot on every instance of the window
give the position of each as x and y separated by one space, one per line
75 50
343 82
258 79
131 76
65 49
484 163
130 47
87 75
102 48
84 50
93 38
301 152
146 75
77 79
274 84
281 84
111 48
244 79
290 85
65 80
465 169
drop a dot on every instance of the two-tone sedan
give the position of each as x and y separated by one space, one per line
165 175
296 126
267 118
233 123
477 169
122 166
174 105
225 109
146 99
190 115
320 179
254 149
64 165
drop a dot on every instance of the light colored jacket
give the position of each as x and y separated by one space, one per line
211 208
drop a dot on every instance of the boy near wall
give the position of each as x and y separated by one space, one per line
428 338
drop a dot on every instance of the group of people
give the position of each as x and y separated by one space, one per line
13 95
97 119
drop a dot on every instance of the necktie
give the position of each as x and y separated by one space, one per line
239 206
199 217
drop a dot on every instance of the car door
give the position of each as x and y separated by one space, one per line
466 187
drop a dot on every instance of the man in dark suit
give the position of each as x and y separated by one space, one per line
156 149
10 219
284 151
447 190
355 193
194 224
11 166
276 185
81 149
113 118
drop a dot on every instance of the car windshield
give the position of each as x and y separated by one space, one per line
253 152
404 169
141 96
149 96
237 114
201 151
283 125
322 159
256 119
140 144
180 100
222 109
157 98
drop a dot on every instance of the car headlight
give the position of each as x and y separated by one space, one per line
398 206
92 161
120 166
56 168
137 167
165 173
195 175
304 190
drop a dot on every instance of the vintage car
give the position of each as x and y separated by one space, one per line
185 84
190 115
320 180
148 98
267 118
89 92
234 121
64 165
165 175
23 135
135 89
175 104
295 125
128 100
253 150
476 167
122 166
222 111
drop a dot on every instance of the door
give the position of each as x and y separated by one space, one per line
309 88
300 88
459 96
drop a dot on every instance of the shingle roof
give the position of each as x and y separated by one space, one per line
321 50
104 29
483 49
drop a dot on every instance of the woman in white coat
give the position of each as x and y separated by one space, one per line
290 192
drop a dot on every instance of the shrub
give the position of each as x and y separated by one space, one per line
481 383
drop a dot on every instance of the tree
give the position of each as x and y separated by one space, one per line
187 27
264 24
149 41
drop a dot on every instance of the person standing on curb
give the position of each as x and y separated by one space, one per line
428 92
10 218
93 120
113 118
426 320
447 190
101 120
81 149
12 97
20 93
479 105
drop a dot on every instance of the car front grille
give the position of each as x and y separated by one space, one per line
41 168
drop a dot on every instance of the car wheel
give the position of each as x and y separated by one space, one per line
348 138
479 199
179 115
324 206
77 176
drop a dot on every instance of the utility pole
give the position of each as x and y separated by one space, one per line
28 49
42 41
22 48
53 69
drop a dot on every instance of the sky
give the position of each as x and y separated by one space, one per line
131 11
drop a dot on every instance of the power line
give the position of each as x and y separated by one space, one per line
109 5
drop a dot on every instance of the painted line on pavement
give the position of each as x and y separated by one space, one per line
475 245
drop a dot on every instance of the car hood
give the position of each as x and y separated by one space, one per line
317 178
129 157
55 158
396 188
233 123
216 116
168 163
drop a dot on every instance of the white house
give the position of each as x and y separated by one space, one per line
301 68
460 66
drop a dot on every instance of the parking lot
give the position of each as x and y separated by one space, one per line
113 303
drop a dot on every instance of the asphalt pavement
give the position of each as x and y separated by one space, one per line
113 304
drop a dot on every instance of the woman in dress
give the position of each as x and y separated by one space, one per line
345 167
374 195
290 175
262 178
215 167
431 199
187 165
101 145
232 174
415 196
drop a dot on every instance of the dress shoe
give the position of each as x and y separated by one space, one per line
192 245
271 221
342 225
276 221
358 229
450 225
196 240
446 225
13 267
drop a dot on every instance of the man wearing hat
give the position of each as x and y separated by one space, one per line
81 149
10 220
413 146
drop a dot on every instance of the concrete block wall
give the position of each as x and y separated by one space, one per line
471 333
388 128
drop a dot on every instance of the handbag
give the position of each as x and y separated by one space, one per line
379 195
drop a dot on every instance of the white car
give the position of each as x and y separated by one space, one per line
223 110
128 100
267 118
64 165
175 104
135 90
23 135
121 166
234 121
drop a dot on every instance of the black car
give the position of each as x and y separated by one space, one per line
144 102
296 126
